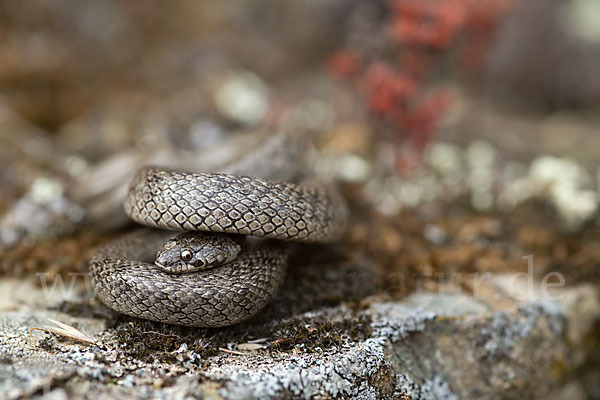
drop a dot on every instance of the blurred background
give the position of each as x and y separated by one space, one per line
463 133
460 109
481 115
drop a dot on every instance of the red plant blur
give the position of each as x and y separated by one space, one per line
397 88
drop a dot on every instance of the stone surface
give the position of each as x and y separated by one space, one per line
427 346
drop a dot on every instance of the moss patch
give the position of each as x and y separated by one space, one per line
149 341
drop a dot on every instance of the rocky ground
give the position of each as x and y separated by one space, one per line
428 345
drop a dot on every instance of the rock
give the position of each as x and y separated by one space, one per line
427 346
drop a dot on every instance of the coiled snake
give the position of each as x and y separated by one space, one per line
192 290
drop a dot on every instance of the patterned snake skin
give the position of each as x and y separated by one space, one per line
223 295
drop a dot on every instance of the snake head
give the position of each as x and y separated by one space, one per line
194 251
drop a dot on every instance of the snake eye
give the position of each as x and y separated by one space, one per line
186 255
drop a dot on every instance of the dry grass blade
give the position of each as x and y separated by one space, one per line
237 353
66 331
250 346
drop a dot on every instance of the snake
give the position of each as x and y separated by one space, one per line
229 256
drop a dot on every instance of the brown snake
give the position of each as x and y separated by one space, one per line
125 278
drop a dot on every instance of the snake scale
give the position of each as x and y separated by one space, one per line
125 278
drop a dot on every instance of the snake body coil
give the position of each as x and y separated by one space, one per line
125 279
